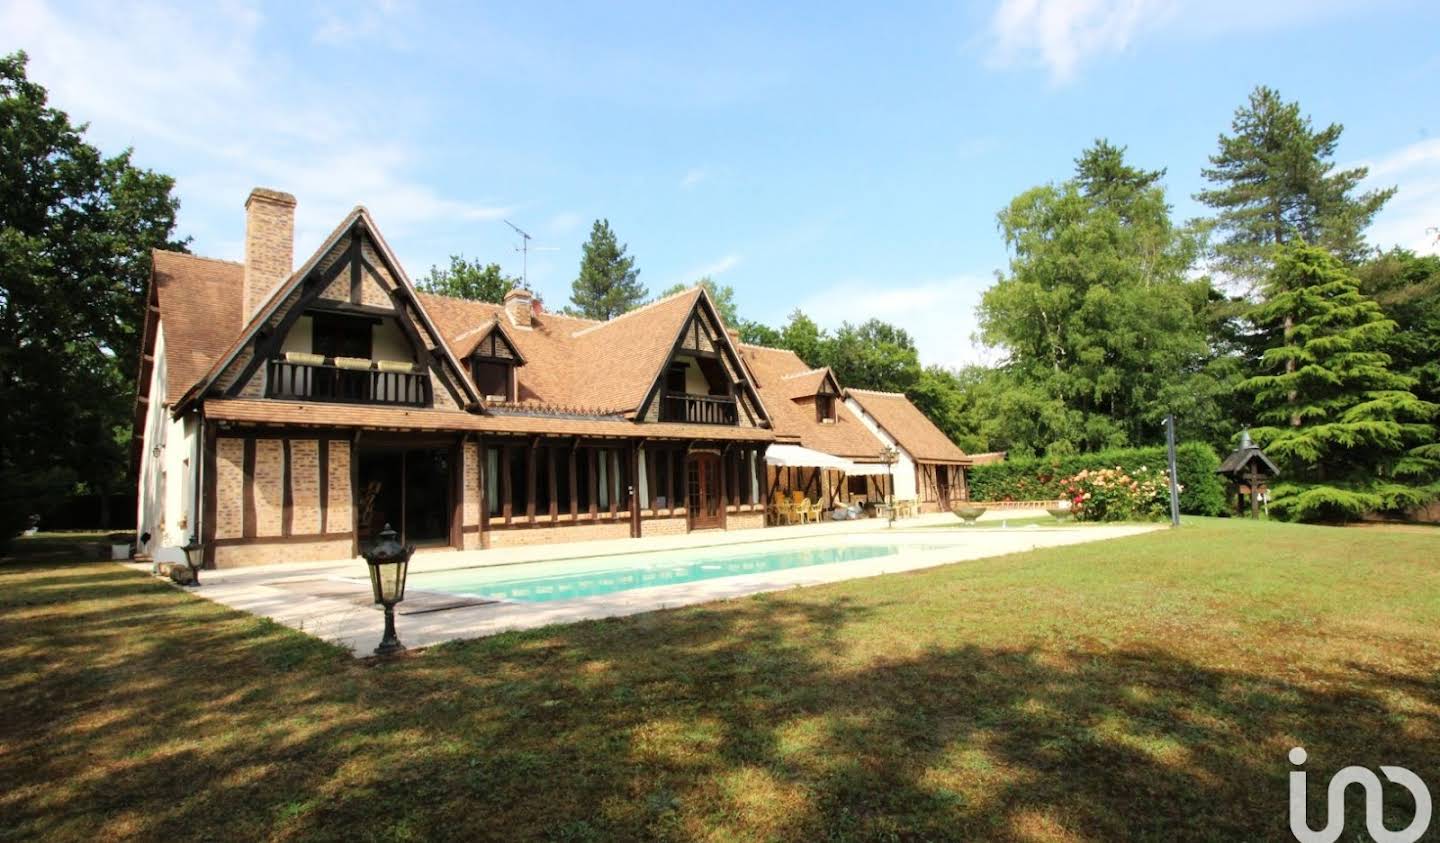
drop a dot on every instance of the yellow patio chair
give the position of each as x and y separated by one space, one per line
801 505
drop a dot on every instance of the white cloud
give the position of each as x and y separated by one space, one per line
1411 217
1061 34
714 268
693 177
380 21
564 222
938 314
190 87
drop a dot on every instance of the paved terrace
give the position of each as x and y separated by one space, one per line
331 600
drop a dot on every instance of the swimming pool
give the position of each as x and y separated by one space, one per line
539 582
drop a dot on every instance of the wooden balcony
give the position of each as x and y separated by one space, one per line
698 409
332 384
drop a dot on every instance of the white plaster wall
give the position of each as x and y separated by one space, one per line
695 383
906 485
168 462
299 337
388 342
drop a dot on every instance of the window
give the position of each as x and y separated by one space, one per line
675 378
856 485
337 335
519 491
492 480
825 407
492 378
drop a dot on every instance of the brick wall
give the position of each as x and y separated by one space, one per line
744 520
261 552
269 489
663 526
305 486
470 487
555 535
339 515
229 487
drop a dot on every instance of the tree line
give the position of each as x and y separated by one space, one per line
1273 313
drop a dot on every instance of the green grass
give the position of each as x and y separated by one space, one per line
1145 688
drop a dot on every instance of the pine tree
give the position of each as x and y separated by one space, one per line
608 284
1349 434
1275 182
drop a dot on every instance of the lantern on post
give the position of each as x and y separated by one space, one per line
389 563
194 558
889 455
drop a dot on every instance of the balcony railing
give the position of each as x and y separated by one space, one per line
326 382
698 409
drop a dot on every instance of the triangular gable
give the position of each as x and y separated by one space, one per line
354 268
703 331
490 340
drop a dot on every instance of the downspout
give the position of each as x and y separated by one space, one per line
199 474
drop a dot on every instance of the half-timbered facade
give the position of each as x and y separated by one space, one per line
931 468
287 414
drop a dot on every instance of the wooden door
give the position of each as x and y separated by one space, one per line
703 494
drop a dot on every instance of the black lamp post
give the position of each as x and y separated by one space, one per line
389 562
890 456
194 558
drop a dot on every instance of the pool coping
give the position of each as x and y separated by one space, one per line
356 626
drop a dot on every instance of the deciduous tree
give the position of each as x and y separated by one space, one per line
469 279
76 231
1103 326
722 295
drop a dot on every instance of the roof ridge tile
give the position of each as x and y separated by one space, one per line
640 309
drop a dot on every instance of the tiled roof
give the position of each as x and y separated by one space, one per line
606 368
336 415
200 300
794 416
575 362
904 421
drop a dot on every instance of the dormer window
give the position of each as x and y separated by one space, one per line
492 364
495 379
825 408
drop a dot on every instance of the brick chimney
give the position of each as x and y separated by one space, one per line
520 304
269 244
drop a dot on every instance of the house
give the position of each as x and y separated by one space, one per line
931 468
822 449
287 414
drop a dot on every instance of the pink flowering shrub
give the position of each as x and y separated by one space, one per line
1112 494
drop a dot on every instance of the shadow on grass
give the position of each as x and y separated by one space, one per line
746 720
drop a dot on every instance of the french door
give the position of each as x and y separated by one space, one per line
702 486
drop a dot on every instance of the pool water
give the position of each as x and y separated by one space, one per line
540 582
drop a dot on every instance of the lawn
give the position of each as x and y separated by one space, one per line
1146 688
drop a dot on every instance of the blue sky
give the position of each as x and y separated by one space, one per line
847 159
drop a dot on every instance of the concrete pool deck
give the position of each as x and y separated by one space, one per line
331 600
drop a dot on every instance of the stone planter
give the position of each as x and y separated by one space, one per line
1060 513
968 514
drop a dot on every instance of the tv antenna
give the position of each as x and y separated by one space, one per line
524 249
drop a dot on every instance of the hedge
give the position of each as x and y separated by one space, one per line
1039 478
